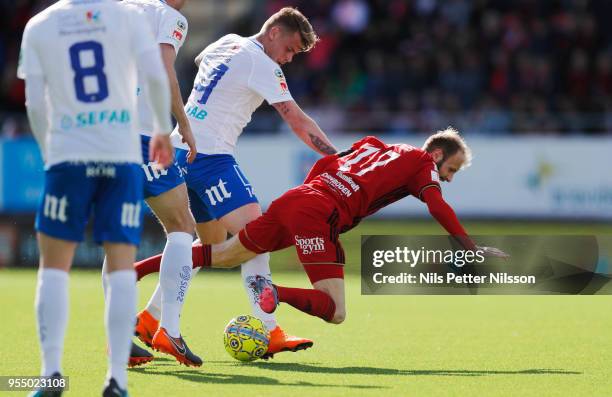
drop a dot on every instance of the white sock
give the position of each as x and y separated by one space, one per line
52 317
258 266
120 319
154 305
174 279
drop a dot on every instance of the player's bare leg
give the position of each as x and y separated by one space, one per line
211 232
334 287
172 210
230 253
158 323
55 253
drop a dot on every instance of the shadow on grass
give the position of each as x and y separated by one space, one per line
159 359
201 376
297 367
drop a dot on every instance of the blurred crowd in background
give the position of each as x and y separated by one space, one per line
412 66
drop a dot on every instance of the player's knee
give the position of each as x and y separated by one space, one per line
339 316
180 222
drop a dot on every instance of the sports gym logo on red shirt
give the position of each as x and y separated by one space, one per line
310 245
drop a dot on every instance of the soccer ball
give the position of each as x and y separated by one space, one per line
246 338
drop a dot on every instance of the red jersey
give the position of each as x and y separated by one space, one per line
372 175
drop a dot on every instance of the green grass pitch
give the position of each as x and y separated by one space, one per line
389 345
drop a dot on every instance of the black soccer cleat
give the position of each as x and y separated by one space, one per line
48 393
139 356
112 389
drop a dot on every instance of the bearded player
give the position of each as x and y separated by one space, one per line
339 191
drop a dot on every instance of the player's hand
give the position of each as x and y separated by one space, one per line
188 139
493 252
161 150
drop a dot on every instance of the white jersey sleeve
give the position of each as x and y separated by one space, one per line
29 63
168 26
141 37
268 80
172 30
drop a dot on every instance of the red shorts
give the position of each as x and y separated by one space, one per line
306 219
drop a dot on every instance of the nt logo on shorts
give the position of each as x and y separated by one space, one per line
130 215
218 193
310 245
153 171
55 208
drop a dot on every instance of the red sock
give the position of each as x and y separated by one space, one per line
199 252
147 266
312 301
201 255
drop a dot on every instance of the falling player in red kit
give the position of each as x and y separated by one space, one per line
339 191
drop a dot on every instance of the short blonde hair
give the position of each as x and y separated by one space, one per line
291 20
450 142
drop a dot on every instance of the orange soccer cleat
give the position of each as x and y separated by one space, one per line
146 327
175 347
281 342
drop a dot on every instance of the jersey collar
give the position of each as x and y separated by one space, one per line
256 42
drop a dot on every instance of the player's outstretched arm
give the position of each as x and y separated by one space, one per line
36 106
444 214
178 108
230 253
305 127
